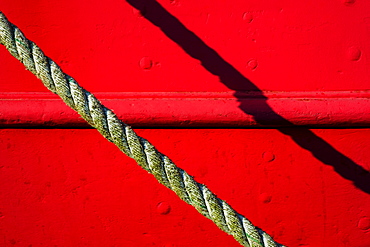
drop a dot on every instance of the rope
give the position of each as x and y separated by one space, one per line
136 147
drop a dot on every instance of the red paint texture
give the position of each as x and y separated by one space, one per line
73 188
108 45
197 109
190 64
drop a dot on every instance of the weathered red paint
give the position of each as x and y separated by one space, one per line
191 64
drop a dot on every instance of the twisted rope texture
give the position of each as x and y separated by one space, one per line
136 147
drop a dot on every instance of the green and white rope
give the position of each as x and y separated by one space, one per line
136 147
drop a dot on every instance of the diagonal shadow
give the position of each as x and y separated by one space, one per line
234 80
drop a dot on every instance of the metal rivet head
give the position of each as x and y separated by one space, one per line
252 64
268 156
353 53
137 12
364 223
163 208
146 63
248 17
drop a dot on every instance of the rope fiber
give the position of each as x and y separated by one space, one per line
136 147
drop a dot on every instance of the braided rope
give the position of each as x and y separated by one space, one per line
136 147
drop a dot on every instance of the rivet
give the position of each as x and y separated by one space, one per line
265 198
268 156
248 17
137 12
1 215
174 2
349 2
364 223
353 53
146 63
163 208
252 64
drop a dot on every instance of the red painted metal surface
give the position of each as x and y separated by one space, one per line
277 45
198 65
197 109
73 188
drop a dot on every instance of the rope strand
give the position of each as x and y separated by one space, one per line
134 146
